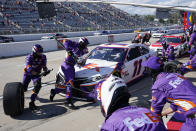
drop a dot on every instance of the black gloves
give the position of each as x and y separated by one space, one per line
70 53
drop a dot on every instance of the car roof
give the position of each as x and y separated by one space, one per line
120 45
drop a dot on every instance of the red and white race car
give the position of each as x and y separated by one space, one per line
105 59
180 47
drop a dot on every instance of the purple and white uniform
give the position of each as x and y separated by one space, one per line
193 38
132 118
68 65
34 64
192 52
189 66
179 92
168 53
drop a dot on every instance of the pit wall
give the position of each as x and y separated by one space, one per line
25 47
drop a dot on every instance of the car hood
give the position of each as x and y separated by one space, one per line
174 44
94 67
157 44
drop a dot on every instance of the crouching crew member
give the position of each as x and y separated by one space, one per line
113 97
174 89
168 52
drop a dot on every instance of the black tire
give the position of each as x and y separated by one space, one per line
13 99
172 67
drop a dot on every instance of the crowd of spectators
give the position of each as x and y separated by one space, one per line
21 16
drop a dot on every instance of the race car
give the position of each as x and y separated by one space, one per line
53 36
106 59
180 47
159 33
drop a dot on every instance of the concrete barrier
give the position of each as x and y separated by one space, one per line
32 37
23 48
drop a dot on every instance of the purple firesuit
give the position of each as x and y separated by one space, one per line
193 38
192 42
192 52
132 118
189 66
68 65
34 64
168 53
180 93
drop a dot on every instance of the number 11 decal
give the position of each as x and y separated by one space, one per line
137 67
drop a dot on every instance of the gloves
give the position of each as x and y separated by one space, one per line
81 62
45 73
70 53
185 64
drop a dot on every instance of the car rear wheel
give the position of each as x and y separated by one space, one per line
172 67
13 99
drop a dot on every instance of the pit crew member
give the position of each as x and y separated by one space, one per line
74 50
193 43
192 51
113 97
137 38
167 52
189 66
146 37
35 62
174 89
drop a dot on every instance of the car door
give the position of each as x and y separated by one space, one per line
132 68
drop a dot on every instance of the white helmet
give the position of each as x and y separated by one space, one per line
194 28
83 42
110 93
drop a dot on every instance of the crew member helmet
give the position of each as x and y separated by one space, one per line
194 28
83 41
37 49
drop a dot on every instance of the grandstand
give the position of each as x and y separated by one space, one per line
21 16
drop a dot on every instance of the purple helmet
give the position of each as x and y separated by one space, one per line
37 49
154 66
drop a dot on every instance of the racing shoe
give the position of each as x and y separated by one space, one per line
52 94
70 104
32 106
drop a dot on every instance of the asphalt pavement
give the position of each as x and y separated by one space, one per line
54 115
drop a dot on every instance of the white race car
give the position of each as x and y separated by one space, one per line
105 59
159 34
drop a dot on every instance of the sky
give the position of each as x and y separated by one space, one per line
150 11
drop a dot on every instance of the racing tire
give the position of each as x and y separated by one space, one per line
13 99
172 67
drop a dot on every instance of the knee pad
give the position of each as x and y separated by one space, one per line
37 87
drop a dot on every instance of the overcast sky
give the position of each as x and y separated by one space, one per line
144 11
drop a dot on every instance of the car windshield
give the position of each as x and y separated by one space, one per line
109 54
170 39
51 35
59 35
173 40
160 31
